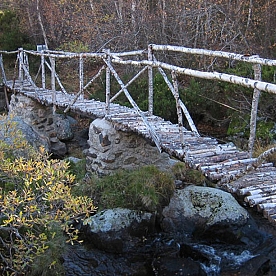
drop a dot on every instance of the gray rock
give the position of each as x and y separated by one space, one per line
115 219
58 148
63 127
73 159
33 137
118 230
198 207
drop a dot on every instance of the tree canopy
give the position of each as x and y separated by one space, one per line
236 26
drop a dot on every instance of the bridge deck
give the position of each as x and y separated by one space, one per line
223 164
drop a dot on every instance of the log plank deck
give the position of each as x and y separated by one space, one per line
223 164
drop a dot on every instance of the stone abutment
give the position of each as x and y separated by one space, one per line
107 149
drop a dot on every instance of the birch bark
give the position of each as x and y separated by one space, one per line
254 109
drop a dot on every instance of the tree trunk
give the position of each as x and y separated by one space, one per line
41 24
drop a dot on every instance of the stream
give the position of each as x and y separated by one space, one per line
215 253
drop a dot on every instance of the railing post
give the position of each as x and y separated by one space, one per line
178 108
43 75
2 69
107 82
20 66
150 81
53 82
81 97
254 109
26 62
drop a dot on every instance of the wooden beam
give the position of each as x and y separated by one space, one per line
129 83
232 56
246 82
150 81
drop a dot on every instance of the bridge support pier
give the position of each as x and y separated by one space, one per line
110 150
53 129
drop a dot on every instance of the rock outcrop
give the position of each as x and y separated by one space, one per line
32 136
204 232
109 229
197 208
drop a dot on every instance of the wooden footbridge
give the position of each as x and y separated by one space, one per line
224 164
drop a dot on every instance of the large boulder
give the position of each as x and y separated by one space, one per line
32 136
203 219
63 127
126 242
200 210
118 230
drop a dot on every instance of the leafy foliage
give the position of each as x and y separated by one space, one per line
11 38
74 46
36 207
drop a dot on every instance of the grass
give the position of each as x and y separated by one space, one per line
145 189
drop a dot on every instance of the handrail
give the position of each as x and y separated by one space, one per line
246 82
61 54
8 52
232 56
146 59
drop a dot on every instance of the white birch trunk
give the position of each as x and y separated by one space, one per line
81 96
43 75
178 108
20 66
3 70
133 11
53 83
41 24
56 75
107 83
119 10
178 101
249 16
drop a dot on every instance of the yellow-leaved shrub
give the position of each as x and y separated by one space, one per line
36 205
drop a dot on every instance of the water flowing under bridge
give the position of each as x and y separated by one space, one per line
230 168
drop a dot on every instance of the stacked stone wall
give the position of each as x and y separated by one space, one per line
110 150
53 127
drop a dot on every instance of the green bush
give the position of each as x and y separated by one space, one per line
146 188
74 46
78 169
11 38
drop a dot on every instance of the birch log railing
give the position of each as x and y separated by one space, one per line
219 163
150 63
